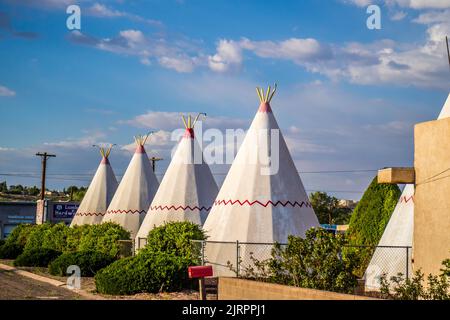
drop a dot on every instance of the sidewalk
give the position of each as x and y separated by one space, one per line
20 284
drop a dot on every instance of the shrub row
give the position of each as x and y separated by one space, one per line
160 266
88 261
36 257
91 247
59 237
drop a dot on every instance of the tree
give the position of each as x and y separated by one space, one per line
327 209
3 187
315 262
372 213
369 219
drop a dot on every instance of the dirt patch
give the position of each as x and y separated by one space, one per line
88 285
17 287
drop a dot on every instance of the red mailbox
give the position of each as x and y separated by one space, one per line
200 271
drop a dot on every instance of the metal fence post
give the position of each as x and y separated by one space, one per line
237 258
203 252
407 263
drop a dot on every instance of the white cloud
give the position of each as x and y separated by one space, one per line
424 4
133 36
228 56
399 15
100 10
181 64
431 17
172 120
413 4
6 92
135 43
295 49
86 141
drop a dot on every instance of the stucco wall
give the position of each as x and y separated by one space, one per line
240 289
432 197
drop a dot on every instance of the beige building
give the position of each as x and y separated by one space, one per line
431 177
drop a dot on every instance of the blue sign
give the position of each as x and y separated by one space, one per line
64 210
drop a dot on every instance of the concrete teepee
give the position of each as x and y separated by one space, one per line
187 190
262 199
99 194
135 192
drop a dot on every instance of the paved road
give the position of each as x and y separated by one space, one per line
17 287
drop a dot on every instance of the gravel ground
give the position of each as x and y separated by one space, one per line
19 287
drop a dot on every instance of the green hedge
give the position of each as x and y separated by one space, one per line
36 257
372 213
88 261
14 244
160 266
103 238
10 251
175 238
369 219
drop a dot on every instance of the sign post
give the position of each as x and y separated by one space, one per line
200 272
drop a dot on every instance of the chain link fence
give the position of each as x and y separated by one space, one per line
236 259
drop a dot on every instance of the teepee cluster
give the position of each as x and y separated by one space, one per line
261 200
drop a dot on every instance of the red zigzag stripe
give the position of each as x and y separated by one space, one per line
126 211
406 200
179 207
90 214
284 204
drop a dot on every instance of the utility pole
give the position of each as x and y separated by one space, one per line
153 160
44 156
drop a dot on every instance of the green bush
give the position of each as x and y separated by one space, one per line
314 262
19 234
2 242
36 237
372 213
160 266
175 238
88 261
103 238
15 242
120 277
399 288
369 219
36 257
74 235
146 272
10 251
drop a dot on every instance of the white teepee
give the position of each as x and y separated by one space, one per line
398 233
99 194
135 192
187 190
262 199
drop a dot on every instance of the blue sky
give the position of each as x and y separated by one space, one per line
348 96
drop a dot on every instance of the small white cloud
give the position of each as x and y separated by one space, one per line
133 36
179 64
6 92
228 56
100 10
397 16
